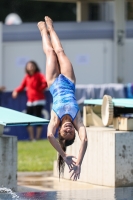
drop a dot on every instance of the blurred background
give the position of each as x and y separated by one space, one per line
97 36
62 10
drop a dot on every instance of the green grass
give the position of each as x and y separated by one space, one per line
35 156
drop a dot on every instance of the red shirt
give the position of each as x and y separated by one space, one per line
35 86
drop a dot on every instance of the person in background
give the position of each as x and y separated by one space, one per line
35 84
2 88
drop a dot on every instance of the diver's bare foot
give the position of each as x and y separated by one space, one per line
49 23
42 26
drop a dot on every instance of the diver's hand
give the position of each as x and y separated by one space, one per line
76 169
69 161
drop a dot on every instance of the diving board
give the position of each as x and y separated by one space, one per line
111 110
8 144
9 117
127 103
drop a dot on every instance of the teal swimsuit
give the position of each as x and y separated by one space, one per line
64 101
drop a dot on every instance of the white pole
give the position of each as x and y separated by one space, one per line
1 64
119 40
82 11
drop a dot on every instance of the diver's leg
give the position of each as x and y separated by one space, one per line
65 64
52 68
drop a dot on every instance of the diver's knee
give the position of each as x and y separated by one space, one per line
59 51
50 52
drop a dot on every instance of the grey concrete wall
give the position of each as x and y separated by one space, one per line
8 162
108 160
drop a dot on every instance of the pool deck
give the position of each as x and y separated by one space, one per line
44 181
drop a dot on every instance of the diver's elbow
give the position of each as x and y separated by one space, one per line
49 135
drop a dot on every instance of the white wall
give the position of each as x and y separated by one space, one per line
91 59
15 55
128 70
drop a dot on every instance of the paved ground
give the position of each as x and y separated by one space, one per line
44 181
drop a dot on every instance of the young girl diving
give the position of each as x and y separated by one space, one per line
65 114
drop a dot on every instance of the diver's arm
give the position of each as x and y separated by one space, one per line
50 135
78 123
53 125
83 146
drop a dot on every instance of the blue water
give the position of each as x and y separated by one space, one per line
91 194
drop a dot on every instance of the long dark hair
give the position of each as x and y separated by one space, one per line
37 69
63 143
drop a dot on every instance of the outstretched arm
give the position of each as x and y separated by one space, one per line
83 137
20 88
50 135
83 146
51 132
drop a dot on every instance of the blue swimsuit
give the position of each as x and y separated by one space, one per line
64 101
